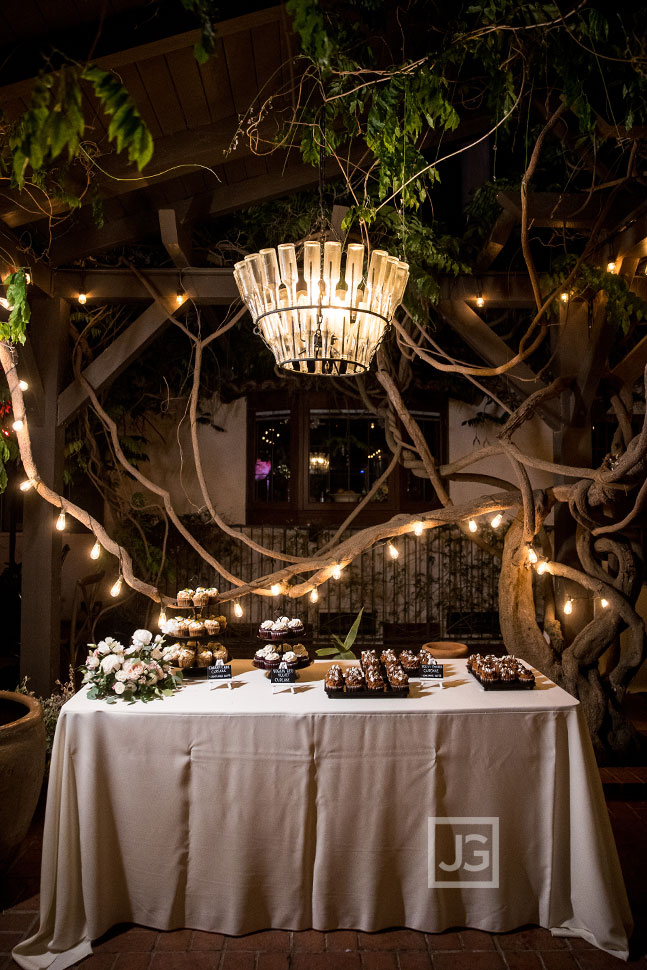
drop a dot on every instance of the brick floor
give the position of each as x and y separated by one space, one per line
128 947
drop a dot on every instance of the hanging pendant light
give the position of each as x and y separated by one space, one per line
318 320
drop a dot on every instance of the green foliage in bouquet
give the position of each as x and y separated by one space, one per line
139 672
342 650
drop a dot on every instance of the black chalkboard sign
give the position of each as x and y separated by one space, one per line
431 670
219 672
283 676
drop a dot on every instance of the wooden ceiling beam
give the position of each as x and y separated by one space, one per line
114 359
575 210
497 239
632 365
204 285
176 238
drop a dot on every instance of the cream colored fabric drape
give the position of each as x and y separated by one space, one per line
238 810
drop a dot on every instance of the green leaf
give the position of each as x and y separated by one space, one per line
326 651
352 633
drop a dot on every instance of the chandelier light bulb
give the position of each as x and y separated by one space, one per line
312 321
417 528
532 555
95 551
23 385
60 522
238 610
336 572
480 302
26 485
314 595
472 526
18 424
116 589
496 521
604 602
393 551
82 298
542 567
568 606
276 589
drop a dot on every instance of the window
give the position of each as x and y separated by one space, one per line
314 457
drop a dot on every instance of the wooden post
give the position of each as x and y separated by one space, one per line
40 646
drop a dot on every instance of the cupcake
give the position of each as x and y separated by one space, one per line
398 679
526 676
219 651
426 657
507 673
299 649
203 657
368 658
290 658
280 629
409 660
473 662
185 657
488 673
295 626
212 593
259 657
354 680
265 629
388 657
196 628
272 660
185 597
212 625
200 597
334 678
374 678
222 620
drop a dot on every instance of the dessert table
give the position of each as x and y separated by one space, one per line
240 809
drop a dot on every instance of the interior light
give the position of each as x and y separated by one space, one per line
542 567
95 551
532 555
23 385
314 595
568 605
276 589
472 526
611 267
116 589
238 610
82 298
18 424
336 572
604 603
480 302
162 618
26 485
179 297
496 521
60 522
417 528
4 302
393 552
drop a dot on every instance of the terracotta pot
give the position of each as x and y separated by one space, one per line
22 766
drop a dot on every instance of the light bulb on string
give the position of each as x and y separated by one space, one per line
417 528
161 620
568 606
480 302
336 572
23 385
564 297
179 298
4 302
604 602
611 266
95 551
116 588
18 424
60 522
532 555
82 298
27 278
542 566
496 521
238 610
314 595
26 485
393 551
472 526
275 589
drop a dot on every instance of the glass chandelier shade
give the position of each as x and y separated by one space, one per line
322 320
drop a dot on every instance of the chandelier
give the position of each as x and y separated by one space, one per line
320 321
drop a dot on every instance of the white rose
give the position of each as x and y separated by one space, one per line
121 675
143 637
131 650
110 663
158 639
118 687
114 645
156 654
91 663
103 648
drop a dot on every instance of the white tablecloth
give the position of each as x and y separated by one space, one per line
233 810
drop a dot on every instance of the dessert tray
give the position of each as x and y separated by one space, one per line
488 671
391 679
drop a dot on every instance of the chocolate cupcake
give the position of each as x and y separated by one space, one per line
368 658
265 629
290 658
426 657
409 660
279 630
354 680
488 673
398 679
526 676
272 660
334 679
295 626
388 657
374 678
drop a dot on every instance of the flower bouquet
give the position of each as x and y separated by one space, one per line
139 672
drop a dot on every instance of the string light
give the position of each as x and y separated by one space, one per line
29 483
116 589
4 302
564 297
496 521
532 555
95 551
23 385
336 571
18 424
417 528
314 595
238 610
179 297
568 606
161 619
82 298
60 522
542 567
276 589
472 526
28 278
611 267
393 552
480 302
604 602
